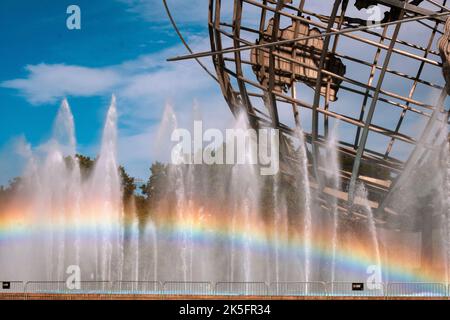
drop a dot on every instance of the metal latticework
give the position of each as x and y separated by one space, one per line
309 64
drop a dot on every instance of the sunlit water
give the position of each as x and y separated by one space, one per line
60 217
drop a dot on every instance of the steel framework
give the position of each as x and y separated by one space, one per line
271 56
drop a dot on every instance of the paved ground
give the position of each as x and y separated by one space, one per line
17 296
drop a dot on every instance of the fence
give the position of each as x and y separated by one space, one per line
351 289
11 289
298 289
241 289
418 289
188 288
115 289
137 287
60 289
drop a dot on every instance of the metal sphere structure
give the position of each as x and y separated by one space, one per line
379 68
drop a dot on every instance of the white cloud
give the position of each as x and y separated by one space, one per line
147 77
49 82
142 87
145 84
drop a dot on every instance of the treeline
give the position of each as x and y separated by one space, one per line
210 185
133 198
7 192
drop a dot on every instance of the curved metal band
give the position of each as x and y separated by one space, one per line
365 132
174 25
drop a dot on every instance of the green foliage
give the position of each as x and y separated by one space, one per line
157 185
86 165
141 206
128 184
6 193
128 189
210 183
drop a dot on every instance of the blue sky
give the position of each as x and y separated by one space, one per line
120 49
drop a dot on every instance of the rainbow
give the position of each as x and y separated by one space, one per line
206 229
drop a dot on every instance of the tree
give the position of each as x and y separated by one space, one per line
157 184
86 165
7 193
128 188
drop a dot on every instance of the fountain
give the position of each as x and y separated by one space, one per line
361 193
332 169
213 223
69 220
305 188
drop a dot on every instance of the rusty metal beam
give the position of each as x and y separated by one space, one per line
414 87
346 31
365 133
315 106
409 8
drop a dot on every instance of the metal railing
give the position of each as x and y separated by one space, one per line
347 289
298 289
188 288
127 289
12 290
137 287
417 289
242 289
61 290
